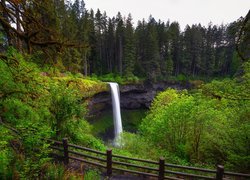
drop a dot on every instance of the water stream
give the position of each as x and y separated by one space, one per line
115 94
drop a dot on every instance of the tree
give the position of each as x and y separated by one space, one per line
38 26
174 36
231 32
193 49
110 40
105 45
140 34
209 53
219 34
163 44
98 43
92 42
129 48
119 42
169 66
152 56
242 43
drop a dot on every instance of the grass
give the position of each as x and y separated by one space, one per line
92 175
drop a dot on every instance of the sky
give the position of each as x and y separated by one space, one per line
184 11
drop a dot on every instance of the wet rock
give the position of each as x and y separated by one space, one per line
133 96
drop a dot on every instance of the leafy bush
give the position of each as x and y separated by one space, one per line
68 117
58 171
200 129
34 107
92 174
31 130
53 171
65 106
181 78
6 154
117 78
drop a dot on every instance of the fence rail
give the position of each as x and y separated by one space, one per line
160 169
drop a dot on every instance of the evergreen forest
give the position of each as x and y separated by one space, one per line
56 55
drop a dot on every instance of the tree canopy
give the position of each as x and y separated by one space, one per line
69 36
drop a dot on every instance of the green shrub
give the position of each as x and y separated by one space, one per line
6 154
111 77
31 130
65 107
53 171
38 107
181 78
200 129
92 175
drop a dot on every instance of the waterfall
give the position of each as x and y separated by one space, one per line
116 111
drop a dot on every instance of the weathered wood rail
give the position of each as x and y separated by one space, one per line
147 168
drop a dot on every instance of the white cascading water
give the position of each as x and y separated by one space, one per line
115 93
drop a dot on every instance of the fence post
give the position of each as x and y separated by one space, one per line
161 168
220 172
109 162
65 151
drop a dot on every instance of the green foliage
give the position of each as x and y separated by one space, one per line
103 123
131 79
181 78
200 129
171 119
84 87
117 78
58 171
22 106
33 107
139 146
203 128
53 171
6 154
75 39
65 106
164 98
131 119
236 89
129 48
31 131
72 60
92 174
169 66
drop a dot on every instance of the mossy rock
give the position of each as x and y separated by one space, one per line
85 87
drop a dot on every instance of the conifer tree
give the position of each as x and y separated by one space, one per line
152 56
209 56
119 43
140 35
174 38
129 48
110 39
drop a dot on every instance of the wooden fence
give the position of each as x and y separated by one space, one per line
147 168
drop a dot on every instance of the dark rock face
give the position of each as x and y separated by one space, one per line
136 100
99 102
134 96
